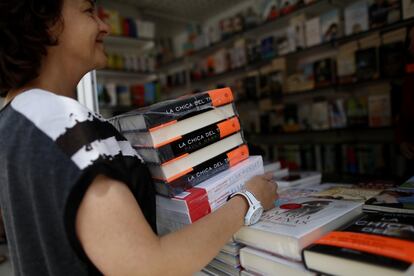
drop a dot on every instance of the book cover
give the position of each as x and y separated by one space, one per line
379 110
202 172
291 121
173 131
356 18
156 115
409 184
337 113
346 63
208 195
287 229
300 191
408 8
330 25
298 24
228 259
374 244
357 111
367 64
313 32
190 142
263 263
347 193
320 116
324 72
176 168
392 201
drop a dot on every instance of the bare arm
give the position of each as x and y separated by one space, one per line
119 241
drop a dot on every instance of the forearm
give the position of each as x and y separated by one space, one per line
188 250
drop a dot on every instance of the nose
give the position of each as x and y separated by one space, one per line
103 27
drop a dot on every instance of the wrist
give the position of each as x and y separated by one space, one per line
242 202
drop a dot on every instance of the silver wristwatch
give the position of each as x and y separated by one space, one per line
255 207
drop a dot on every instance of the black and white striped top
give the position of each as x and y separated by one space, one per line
51 148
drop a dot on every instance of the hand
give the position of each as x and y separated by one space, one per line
264 189
407 150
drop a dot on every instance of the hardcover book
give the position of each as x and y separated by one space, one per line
330 25
173 131
287 229
170 111
408 8
374 244
379 108
190 142
313 32
392 201
176 168
202 172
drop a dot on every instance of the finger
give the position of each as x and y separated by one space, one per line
268 176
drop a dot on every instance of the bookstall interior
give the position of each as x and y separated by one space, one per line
322 90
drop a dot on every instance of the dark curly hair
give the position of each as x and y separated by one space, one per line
25 36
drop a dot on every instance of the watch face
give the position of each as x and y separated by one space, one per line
256 215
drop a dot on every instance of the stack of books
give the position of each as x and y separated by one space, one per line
287 179
303 214
197 156
187 140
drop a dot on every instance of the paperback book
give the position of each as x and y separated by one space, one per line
391 201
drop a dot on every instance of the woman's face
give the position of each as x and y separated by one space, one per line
80 37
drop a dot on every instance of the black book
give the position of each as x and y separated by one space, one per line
324 72
373 244
156 115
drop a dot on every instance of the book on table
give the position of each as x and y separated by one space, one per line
287 229
394 200
374 244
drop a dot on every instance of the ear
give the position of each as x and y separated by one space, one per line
55 30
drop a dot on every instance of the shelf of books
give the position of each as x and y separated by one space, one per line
197 159
309 35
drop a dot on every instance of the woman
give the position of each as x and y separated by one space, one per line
75 196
